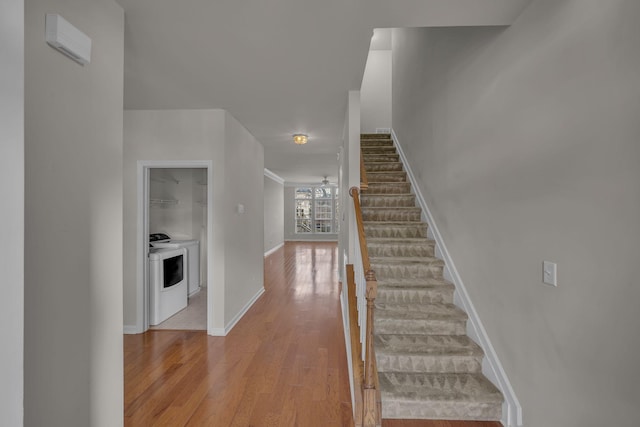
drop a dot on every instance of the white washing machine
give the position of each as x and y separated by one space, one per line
168 283
161 240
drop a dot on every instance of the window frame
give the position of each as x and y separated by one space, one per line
322 211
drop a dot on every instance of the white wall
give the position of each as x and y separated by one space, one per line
237 160
290 221
73 220
175 219
273 213
12 214
375 92
244 243
525 144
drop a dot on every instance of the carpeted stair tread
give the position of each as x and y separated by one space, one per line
439 396
401 241
416 247
388 214
407 261
395 229
407 267
419 311
388 188
439 345
378 149
376 143
380 158
388 200
382 166
377 135
439 319
427 354
422 295
386 177
411 283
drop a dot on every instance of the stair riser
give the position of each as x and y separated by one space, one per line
377 135
380 158
417 296
395 231
390 271
441 410
413 326
376 143
400 250
404 201
378 150
392 215
428 364
388 188
387 177
383 167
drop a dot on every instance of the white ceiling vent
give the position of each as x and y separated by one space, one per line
69 40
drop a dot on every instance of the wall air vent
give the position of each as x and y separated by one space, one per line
66 38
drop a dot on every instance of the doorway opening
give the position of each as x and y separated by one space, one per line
174 243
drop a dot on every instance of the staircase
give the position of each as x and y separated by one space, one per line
428 367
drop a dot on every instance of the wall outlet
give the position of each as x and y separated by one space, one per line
550 273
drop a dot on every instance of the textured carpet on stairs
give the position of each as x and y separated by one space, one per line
428 367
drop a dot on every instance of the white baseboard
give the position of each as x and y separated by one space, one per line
238 316
131 329
217 332
272 250
491 366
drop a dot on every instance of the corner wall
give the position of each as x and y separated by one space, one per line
244 231
525 144
375 92
238 165
12 191
153 135
73 220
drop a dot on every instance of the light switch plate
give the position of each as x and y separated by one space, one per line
550 273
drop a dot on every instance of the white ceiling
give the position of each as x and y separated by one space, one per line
279 66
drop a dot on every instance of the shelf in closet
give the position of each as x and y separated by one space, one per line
159 202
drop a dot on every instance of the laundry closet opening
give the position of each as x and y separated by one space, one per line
176 242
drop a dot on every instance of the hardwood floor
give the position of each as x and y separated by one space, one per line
283 364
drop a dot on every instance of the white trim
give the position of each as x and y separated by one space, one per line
242 312
491 366
383 130
217 332
130 329
272 250
142 243
273 176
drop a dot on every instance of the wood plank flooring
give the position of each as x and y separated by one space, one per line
282 365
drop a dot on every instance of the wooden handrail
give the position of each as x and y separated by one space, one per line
364 182
371 404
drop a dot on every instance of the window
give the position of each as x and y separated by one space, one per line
316 209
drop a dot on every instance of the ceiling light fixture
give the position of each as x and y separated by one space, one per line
300 138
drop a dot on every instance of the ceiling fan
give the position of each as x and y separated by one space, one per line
325 181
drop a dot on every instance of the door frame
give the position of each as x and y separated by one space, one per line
142 238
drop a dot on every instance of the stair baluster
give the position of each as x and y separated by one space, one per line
371 412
